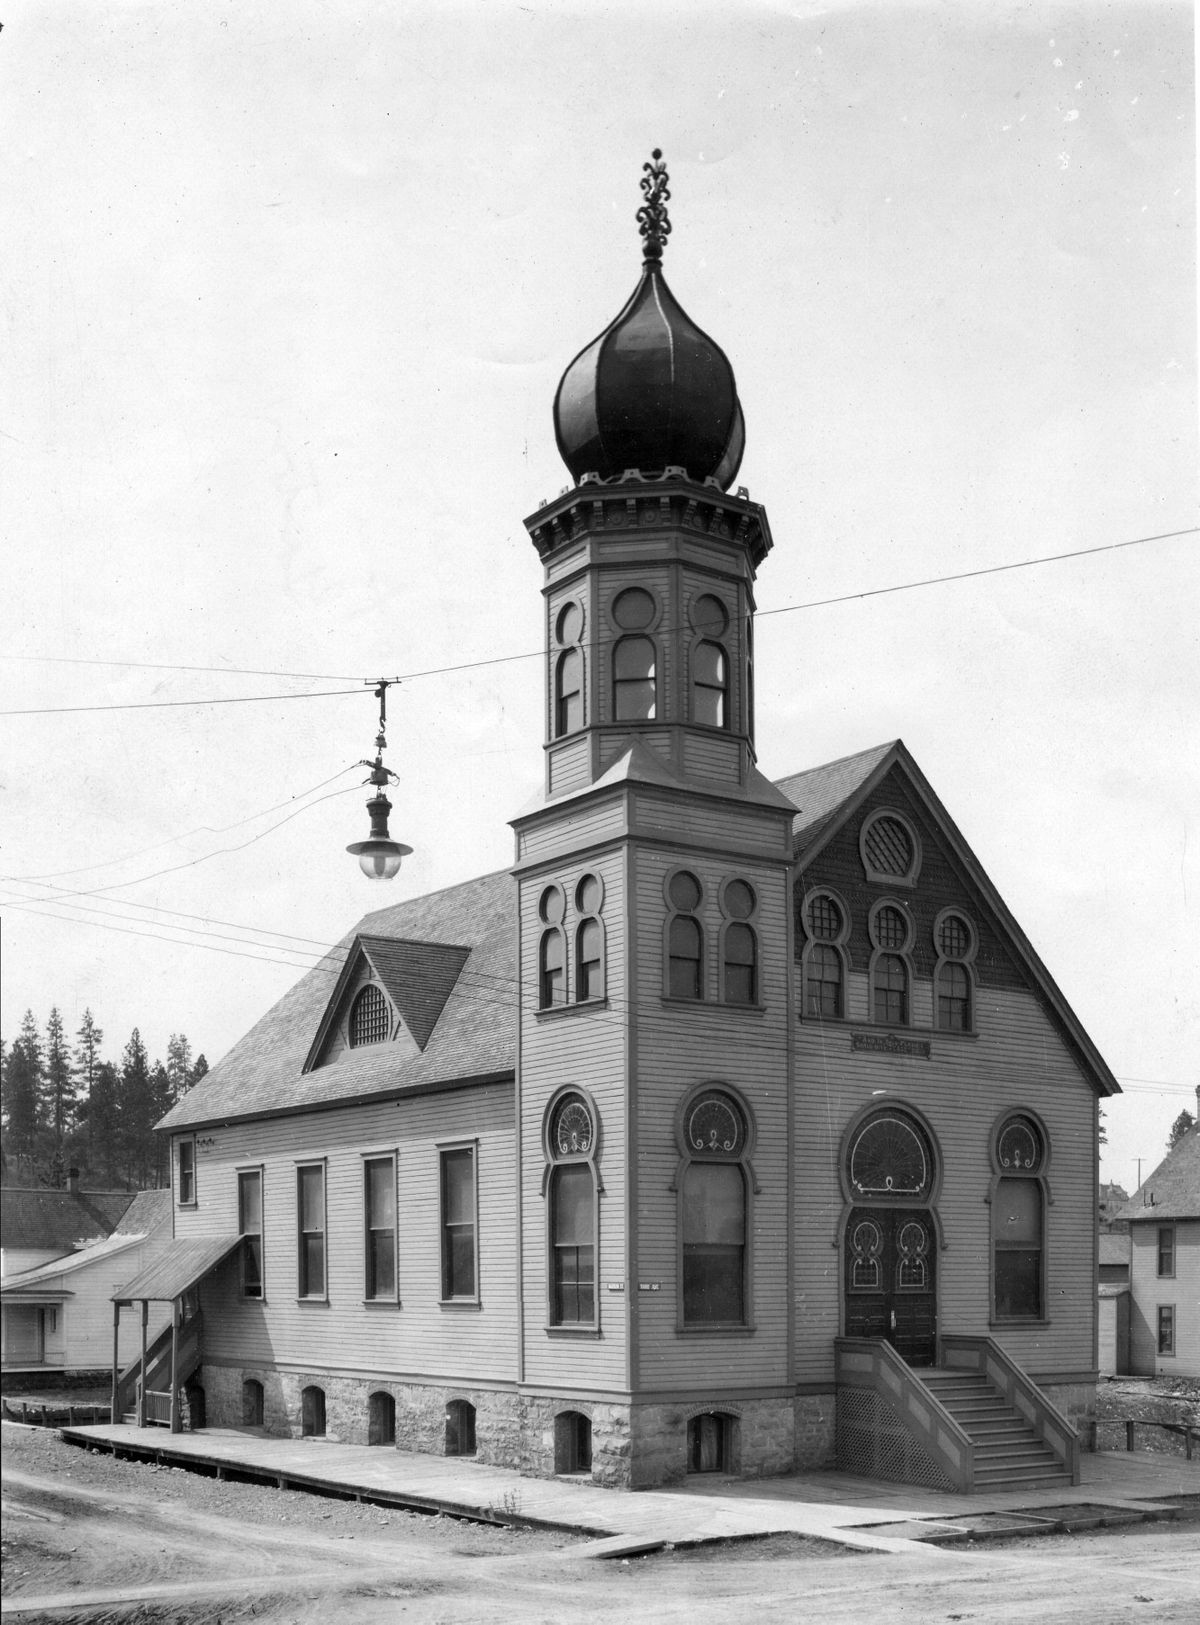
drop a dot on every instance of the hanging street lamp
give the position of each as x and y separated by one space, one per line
379 857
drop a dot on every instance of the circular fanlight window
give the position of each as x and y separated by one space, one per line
572 1135
714 1126
889 1158
1019 1148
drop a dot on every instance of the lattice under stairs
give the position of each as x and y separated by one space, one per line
1008 1453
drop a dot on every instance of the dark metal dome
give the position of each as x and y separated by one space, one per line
653 390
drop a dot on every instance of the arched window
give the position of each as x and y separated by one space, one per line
312 1413
890 975
890 1160
370 1017
589 940
568 671
954 938
739 944
685 938
635 685
381 1418
552 954
825 924
713 1211
571 1189
710 685
460 1428
572 1442
252 1403
1018 1219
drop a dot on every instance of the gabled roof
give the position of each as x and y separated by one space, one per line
40 1219
828 796
474 1037
70 1263
418 977
149 1211
1173 1189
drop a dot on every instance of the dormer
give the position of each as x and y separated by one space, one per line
389 995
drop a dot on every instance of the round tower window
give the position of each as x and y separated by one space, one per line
633 610
709 616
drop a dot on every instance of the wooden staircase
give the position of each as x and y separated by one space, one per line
1009 1455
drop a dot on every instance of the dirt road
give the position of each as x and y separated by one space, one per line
90 1538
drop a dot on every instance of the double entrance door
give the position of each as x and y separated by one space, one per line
890 1284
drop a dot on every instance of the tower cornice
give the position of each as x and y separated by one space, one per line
636 503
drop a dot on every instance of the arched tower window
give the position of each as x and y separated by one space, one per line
710 663
891 973
685 937
739 944
552 950
568 671
589 940
953 977
635 657
714 1186
570 1139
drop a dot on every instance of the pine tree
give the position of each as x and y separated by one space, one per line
179 1067
1182 1125
103 1122
199 1070
23 1080
60 1087
136 1110
161 1098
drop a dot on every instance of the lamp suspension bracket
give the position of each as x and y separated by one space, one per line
379 857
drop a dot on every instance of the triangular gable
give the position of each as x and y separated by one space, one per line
829 797
417 977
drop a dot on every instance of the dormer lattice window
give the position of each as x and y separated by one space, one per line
370 1017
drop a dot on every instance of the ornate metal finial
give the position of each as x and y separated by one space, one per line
652 216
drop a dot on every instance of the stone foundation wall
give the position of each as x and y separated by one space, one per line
632 1448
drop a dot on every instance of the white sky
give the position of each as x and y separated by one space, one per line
288 288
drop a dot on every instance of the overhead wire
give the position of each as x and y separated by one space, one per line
536 654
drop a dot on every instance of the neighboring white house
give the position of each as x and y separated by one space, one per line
1164 1223
59 1315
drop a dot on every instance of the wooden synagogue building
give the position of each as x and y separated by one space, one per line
738 1128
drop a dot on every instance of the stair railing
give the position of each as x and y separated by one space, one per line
961 1352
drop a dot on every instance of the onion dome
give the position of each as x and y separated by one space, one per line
652 391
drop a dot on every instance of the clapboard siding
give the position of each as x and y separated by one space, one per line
573 828
1017 1061
695 819
712 756
1150 1290
570 765
421 1337
583 1046
678 1047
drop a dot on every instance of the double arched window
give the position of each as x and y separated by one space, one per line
552 950
891 972
634 657
710 663
571 1185
739 944
714 1186
685 937
953 978
568 671
825 922
589 940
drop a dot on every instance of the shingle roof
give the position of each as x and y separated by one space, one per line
1115 1248
95 1252
148 1212
474 1036
1173 1190
822 792
40 1219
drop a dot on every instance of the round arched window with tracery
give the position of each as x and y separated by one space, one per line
890 1157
